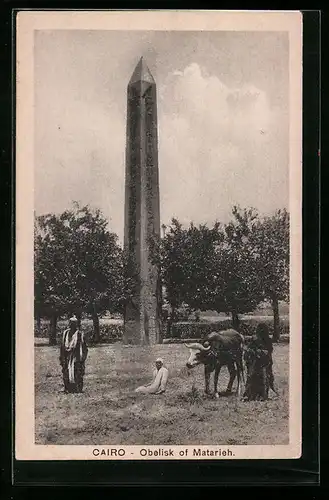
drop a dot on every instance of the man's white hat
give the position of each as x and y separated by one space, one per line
73 319
159 360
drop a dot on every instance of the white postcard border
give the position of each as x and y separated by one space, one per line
27 23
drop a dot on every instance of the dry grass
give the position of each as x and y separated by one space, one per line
110 412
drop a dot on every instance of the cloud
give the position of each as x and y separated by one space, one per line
218 147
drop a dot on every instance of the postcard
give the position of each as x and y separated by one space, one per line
158 235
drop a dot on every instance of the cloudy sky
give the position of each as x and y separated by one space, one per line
222 117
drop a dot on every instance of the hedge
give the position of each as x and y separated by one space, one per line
189 330
247 338
110 333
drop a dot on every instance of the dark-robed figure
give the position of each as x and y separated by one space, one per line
73 354
259 364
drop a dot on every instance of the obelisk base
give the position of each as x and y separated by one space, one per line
141 329
147 335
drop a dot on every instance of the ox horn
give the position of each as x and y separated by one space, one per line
196 345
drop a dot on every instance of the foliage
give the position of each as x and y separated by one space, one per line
235 285
186 257
272 249
230 268
211 268
78 263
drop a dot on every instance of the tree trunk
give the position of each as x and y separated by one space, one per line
160 333
235 320
170 321
96 334
78 316
168 327
53 330
276 318
159 339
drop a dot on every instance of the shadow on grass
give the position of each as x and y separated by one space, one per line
197 397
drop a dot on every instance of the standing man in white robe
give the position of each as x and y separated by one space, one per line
159 382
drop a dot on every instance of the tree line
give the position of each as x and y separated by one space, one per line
80 267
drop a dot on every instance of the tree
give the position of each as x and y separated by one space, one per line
235 286
79 265
202 244
47 302
169 253
229 268
211 268
272 248
186 257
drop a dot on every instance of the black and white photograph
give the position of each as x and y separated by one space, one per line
158 239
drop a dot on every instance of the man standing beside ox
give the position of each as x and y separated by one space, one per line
259 363
73 354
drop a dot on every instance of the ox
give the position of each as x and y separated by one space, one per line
219 349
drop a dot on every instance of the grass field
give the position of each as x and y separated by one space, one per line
110 412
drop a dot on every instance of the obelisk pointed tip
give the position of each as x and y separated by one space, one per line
141 73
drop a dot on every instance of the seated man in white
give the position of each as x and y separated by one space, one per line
159 382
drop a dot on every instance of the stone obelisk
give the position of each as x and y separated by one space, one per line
142 210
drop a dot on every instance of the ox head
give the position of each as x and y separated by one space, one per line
198 354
